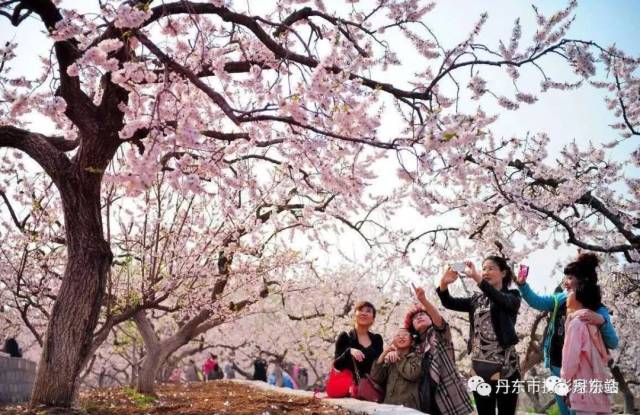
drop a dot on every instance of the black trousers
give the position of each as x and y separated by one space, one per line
506 399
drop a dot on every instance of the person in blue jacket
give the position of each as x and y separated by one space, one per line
582 270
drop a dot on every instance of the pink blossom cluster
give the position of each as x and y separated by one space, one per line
130 17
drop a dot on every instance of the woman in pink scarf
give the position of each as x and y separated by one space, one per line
584 356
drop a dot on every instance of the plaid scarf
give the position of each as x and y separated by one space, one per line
451 395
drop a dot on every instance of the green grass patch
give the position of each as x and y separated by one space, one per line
554 410
140 399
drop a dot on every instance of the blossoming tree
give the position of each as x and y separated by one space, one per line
211 94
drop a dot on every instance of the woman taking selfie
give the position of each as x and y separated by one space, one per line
581 271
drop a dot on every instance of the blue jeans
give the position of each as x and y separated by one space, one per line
564 409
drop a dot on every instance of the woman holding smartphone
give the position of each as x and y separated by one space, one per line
580 271
492 338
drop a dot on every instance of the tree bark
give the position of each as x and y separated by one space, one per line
158 351
152 359
147 377
629 400
75 313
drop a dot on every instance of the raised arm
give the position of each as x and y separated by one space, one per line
452 303
539 302
429 308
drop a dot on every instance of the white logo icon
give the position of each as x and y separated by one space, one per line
473 382
551 382
483 389
556 385
477 384
561 388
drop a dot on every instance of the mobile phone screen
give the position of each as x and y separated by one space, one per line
458 267
524 271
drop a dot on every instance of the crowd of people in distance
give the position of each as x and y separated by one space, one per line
284 374
417 368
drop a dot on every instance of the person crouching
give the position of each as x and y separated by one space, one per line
402 377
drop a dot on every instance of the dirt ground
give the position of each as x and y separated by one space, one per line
219 397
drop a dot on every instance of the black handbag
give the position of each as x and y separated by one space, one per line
489 370
486 369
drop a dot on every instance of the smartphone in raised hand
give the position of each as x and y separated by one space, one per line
459 267
523 273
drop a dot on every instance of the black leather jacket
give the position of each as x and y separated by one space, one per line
504 311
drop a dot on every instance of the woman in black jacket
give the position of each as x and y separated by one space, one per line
359 348
492 338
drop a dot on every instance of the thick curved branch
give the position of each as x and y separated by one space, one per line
572 239
306 12
48 152
596 204
279 51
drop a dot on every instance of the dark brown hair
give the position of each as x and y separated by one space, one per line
589 295
361 304
584 268
504 266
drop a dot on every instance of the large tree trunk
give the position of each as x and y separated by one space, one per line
74 316
155 355
157 351
75 313
150 366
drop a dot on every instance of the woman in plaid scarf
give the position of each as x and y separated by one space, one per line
442 389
